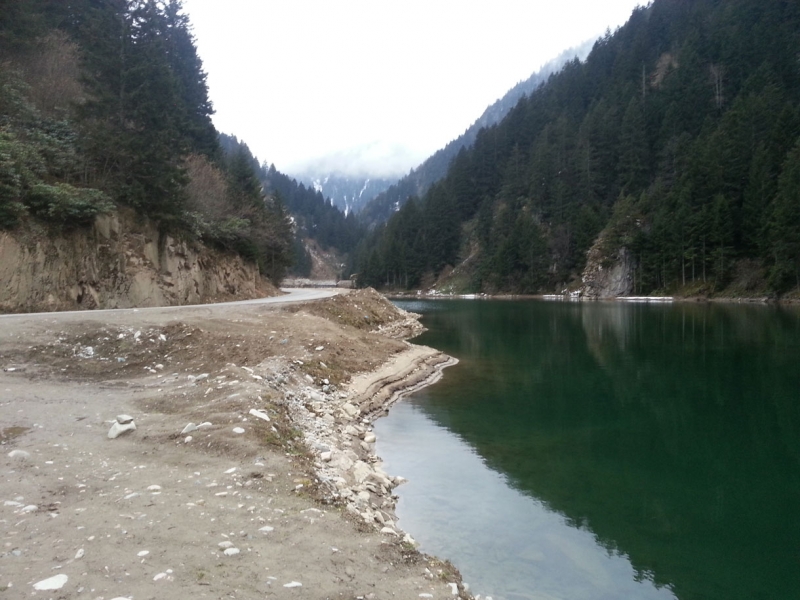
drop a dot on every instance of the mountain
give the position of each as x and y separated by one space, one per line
350 194
105 105
314 218
670 156
419 180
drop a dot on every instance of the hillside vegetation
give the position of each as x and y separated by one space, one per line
105 103
674 143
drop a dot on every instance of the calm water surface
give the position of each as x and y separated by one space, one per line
604 451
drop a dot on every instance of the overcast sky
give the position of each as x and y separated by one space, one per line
375 85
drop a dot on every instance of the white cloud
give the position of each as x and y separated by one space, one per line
369 81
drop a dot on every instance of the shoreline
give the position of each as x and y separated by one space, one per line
242 505
755 300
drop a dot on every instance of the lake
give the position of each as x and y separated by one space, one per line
606 450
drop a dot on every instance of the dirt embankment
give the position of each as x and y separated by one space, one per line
273 491
119 262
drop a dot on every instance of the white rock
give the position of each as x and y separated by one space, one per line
369 438
426 595
153 488
266 529
259 414
19 454
361 471
388 530
80 554
124 419
225 545
325 456
29 509
293 584
118 429
351 410
56 582
318 348
453 589
231 470
190 427
160 576
238 430
205 425
142 553
231 551
188 439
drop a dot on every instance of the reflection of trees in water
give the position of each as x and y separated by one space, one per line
671 432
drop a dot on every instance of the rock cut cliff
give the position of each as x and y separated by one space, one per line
118 262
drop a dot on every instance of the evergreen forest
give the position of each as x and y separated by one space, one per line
677 142
104 103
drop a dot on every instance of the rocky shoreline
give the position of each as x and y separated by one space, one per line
337 428
241 462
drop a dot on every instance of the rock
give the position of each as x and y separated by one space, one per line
293 584
238 430
187 439
80 554
259 414
266 529
124 419
225 545
350 410
56 582
453 589
351 431
388 530
19 454
319 348
205 425
231 551
409 540
118 429
142 553
190 427
361 471
325 456
369 438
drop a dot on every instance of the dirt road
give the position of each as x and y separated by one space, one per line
227 510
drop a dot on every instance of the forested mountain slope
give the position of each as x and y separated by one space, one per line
419 180
104 104
675 143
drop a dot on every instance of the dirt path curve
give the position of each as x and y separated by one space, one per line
156 514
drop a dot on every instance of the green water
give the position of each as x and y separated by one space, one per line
606 450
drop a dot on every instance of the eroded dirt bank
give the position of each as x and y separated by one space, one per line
273 491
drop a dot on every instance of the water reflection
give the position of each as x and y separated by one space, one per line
506 543
669 434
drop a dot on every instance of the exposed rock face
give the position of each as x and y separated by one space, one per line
117 263
614 279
